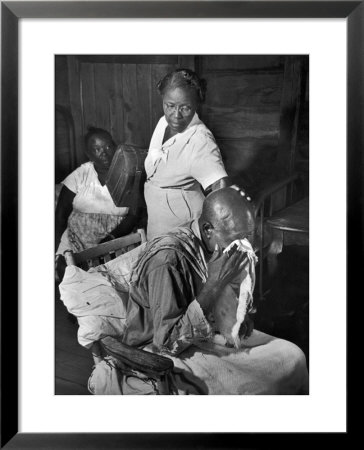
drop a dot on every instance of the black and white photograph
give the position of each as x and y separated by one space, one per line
181 209
182 224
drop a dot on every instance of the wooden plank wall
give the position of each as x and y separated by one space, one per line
247 97
117 93
256 106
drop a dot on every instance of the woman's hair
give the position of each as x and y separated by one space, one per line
93 131
183 78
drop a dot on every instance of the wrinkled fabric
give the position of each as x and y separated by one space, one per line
165 282
96 302
90 293
265 365
85 230
107 379
161 311
94 214
244 299
91 195
170 208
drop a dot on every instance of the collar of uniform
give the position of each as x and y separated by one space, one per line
185 135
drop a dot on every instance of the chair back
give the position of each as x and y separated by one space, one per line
102 253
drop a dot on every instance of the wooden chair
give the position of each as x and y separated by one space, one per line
129 360
282 217
102 253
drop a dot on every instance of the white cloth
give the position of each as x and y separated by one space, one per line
97 297
105 379
91 199
93 299
262 365
91 196
245 299
265 365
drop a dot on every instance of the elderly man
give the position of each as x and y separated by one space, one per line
180 275
176 282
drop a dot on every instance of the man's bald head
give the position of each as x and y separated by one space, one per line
226 216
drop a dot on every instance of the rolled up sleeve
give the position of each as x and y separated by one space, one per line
206 164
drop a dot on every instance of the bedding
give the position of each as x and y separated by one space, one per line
263 365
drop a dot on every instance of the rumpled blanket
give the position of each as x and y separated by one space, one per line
265 365
98 297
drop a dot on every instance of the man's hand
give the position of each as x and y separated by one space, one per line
223 268
246 327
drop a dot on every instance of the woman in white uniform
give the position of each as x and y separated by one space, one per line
184 161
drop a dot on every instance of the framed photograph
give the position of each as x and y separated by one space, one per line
35 51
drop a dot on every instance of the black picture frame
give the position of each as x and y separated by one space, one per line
11 12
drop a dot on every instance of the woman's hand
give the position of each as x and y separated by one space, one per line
226 182
242 193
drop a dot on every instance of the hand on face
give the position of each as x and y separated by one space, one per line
223 268
179 106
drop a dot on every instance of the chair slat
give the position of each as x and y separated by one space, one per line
106 247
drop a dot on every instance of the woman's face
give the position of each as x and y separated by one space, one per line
179 106
101 150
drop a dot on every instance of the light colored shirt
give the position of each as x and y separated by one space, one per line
91 196
184 158
94 213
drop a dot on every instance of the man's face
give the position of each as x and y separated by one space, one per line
229 230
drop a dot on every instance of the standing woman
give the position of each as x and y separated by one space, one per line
183 159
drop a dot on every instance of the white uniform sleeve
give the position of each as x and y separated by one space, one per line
206 162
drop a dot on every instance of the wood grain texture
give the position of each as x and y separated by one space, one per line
88 105
103 89
76 107
147 362
289 114
116 102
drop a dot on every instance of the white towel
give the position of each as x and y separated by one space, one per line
245 299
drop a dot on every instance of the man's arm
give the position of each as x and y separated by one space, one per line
177 317
179 311
222 269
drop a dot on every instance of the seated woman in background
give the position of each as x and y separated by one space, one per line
86 214
183 156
